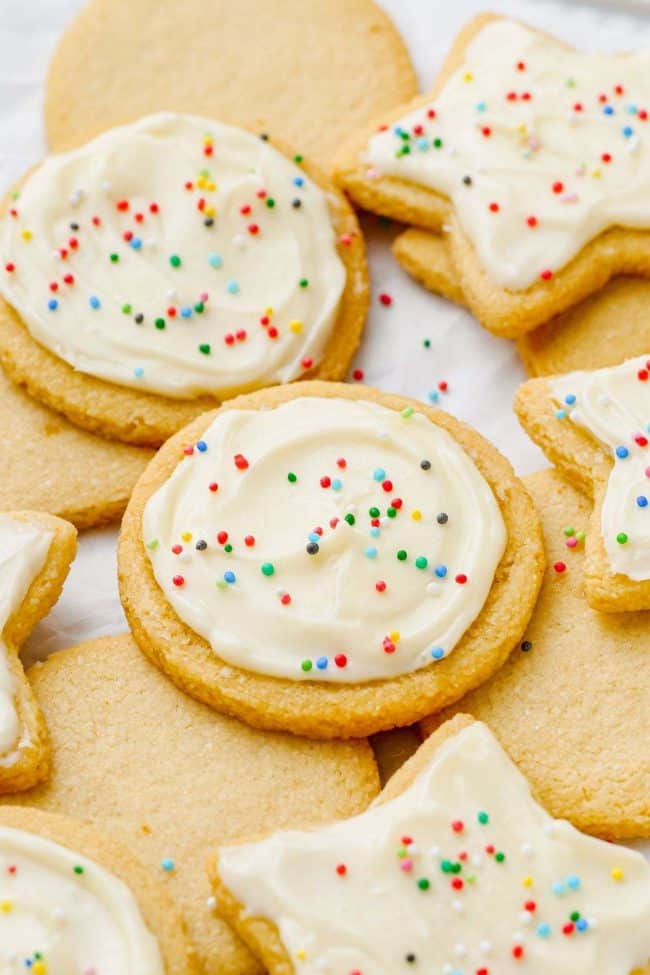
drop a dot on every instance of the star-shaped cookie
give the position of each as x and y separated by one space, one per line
595 426
533 158
35 554
454 869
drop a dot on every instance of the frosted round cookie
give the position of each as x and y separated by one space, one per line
212 780
35 554
454 868
73 901
169 264
532 157
327 559
307 76
595 426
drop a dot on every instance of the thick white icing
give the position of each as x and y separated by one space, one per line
613 404
23 550
527 121
324 611
477 913
258 323
62 914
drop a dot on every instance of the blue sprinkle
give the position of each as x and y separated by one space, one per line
423 144
321 663
232 288
437 653
375 532
371 552
94 302
627 131
53 304
186 311
379 474
622 453
642 501
481 106
570 399
631 109
229 576
298 181
582 924
313 537
138 372
398 130
215 260
608 110
441 571
573 882
434 396
167 864
202 446
558 887
336 484
544 930
135 243
560 414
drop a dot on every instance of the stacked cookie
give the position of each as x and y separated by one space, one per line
304 563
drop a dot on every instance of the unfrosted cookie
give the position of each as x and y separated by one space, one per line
329 559
172 797
455 867
526 152
59 468
169 264
610 325
35 554
594 426
71 900
572 705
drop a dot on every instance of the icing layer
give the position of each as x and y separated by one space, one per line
613 404
61 914
176 255
23 549
462 874
326 539
540 148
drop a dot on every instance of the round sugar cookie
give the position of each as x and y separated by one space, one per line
169 264
74 900
572 705
329 559
308 73
170 778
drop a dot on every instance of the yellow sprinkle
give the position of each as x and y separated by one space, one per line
187 536
201 181
26 234
301 955
268 311
208 140
6 907
416 515
596 173
468 76
395 636
295 326
617 873
522 128
527 881
39 968
210 186
210 211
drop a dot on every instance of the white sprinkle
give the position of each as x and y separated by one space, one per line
211 903
106 186
434 589
485 947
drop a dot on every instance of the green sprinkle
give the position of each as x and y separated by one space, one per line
306 665
499 857
574 916
175 260
581 536
267 568
423 883
227 547
427 343
222 584
154 543
448 866
304 283
205 348
437 143
621 538
407 412
483 818
115 258
126 309
199 307
291 477
421 562
160 323
270 202
569 532
374 512
297 158
350 519
401 555
15 195
78 870
391 512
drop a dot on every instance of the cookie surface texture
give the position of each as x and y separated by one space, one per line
212 781
537 705
341 516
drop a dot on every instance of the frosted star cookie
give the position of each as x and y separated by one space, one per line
328 559
73 901
572 704
211 781
35 554
594 425
454 868
605 328
169 264
533 156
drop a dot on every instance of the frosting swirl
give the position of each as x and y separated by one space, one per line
540 149
62 914
326 538
462 873
176 255
613 404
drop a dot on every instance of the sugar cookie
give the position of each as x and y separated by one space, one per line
454 867
328 559
35 554
73 901
211 780
532 156
169 264
572 704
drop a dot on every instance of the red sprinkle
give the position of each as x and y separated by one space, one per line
559 566
178 580
385 299
357 375
240 462
340 660
341 870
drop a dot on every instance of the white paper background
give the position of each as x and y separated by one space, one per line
481 370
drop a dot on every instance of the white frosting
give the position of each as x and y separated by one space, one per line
613 404
323 611
375 915
232 341
67 915
23 550
541 154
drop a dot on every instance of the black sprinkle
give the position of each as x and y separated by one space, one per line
425 465
208 221
264 136
442 518
313 548
410 958
467 180
526 646
139 318
296 204
74 226
201 545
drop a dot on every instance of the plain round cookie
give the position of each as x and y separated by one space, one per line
321 710
156 906
57 467
572 705
147 419
308 73
170 778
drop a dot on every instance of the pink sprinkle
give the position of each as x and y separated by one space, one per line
406 865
